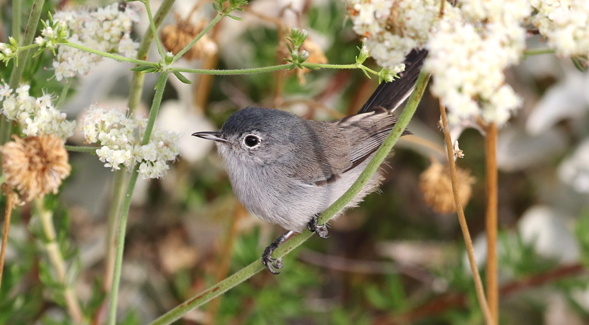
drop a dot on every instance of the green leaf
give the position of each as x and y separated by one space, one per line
579 64
233 17
182 78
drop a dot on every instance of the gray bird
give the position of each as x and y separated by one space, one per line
287 170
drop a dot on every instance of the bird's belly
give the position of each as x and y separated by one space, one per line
288 202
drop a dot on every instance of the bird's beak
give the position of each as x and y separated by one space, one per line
215 136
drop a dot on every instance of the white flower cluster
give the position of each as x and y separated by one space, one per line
467 59
106 29
36 116
565 23
470 45
120 138
392 28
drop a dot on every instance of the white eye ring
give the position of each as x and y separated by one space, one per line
251 141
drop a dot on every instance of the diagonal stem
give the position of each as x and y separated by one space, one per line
463 226
257 266
198 37
491 220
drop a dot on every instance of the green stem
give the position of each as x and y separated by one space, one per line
17 71
113 221
139 77
270 69
57 261
332 66
257 266
235 71
108 55
161 84
538 52
198 37
154 30
63 95
16 15
28 47
81 149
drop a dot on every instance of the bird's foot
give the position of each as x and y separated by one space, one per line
320 230
274 264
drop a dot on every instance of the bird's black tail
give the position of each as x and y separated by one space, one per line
389 95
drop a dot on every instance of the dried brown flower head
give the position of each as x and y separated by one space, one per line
35 166
176 37
436 186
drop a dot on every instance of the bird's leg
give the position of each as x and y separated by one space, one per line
273 264
321 231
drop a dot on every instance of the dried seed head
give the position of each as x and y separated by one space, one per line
35 166
436 186
176 37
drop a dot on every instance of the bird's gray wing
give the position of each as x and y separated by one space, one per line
324 153
389 95
365 133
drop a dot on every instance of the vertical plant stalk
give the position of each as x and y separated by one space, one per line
17 71
113 213
139 77
478 284
120 175
491 220
57 261
226 260
161 84
16 15
63 95
288 246
11 199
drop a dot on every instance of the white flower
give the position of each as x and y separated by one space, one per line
5 91
36 116
106 29
120 137
565 23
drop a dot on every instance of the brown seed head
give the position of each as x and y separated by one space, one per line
436 186
176 37
35 166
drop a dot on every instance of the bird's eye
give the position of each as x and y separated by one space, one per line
251 141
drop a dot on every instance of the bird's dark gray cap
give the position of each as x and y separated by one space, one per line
259 119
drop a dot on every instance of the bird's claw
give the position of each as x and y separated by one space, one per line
272 264
320 230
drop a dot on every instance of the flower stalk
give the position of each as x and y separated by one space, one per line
463 226
160 85
491 220
11 200
154 28
198 37
257 266
56 260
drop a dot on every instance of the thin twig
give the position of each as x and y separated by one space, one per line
11 199
491 219
462 219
